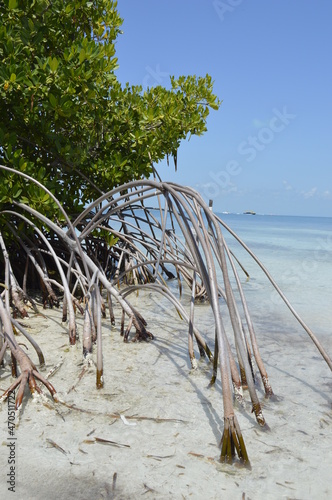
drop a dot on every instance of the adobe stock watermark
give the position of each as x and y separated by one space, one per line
225 7
11 444
249 149
154 77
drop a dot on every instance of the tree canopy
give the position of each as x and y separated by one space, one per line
65 118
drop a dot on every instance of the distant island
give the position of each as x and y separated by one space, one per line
250 212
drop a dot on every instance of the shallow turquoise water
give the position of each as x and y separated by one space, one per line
297 252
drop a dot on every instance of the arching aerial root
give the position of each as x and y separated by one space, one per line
232 443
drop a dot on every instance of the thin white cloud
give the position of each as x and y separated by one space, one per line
287 186
314 192
309 194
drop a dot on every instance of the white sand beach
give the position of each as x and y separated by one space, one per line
169 447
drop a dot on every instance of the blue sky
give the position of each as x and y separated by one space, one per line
269 147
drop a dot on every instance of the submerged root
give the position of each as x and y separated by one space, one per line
141 332
213 379
257 409
193 362
268 389
232 443
142 335
100 379
238 394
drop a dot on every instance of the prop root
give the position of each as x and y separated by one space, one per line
29 374
232 443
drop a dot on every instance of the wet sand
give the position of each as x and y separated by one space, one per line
167 446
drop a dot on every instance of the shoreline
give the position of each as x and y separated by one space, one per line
172 451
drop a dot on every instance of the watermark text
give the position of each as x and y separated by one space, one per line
11 444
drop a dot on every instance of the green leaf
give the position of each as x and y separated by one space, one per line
45 197
17 193
53 63
12 77
23 164
82 55
111 240
12 4
53 100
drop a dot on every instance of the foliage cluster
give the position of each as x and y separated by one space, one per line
65 118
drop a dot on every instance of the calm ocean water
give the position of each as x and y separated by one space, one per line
297 251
